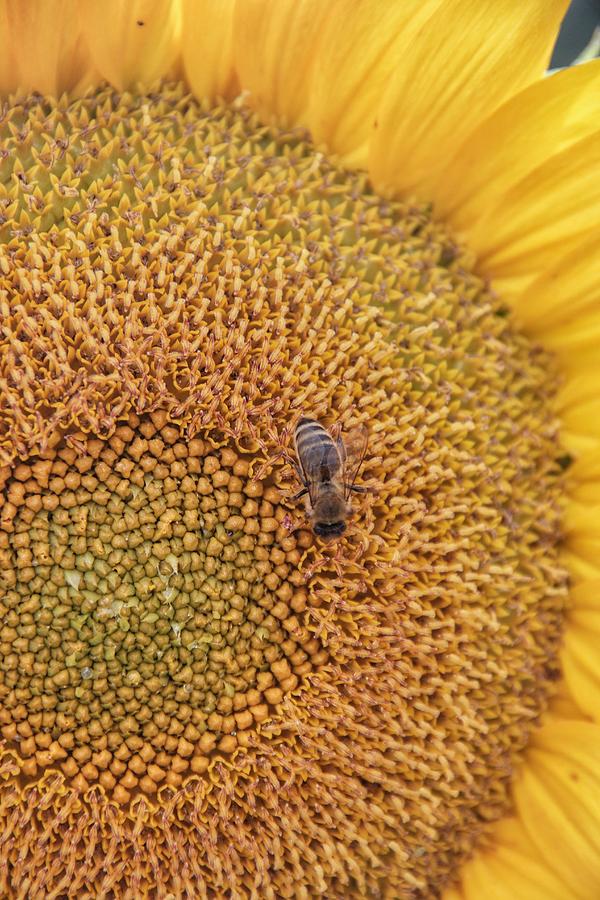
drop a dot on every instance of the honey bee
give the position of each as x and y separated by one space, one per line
327 469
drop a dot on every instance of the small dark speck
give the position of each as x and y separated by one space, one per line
574 776
502 312
139 22
565 461
447 256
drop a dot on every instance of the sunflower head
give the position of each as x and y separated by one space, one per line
194 685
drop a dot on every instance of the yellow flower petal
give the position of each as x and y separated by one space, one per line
542 120
323 64
563 705
453 894
558 800
131 40
561 307
583 519
42 48
466 60
276 47
578 445
584 475
577 345
8 76
580 569
581 652
547 213
580 663
582 417
575 391
576 341
356 63
577 406
587 491
511 870
582 526
207 47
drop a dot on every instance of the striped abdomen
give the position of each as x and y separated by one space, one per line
317 452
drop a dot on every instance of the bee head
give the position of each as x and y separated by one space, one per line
329 530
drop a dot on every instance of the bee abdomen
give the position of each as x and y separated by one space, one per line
317 452
310 432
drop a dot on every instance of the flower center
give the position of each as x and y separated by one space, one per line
178 285
149 617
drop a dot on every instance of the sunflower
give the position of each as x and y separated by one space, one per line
216 217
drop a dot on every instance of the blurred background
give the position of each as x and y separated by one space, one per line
577 31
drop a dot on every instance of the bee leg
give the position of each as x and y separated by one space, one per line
300 493
358 489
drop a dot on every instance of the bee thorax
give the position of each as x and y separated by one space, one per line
330 507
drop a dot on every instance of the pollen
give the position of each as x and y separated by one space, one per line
197 696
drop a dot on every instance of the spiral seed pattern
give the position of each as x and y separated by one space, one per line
149 616
197 697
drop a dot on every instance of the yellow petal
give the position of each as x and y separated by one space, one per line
453 894
575 391
580 664
362 47
42 47
566 290
583 477
466 60
576 444
582 528
546 214
8 76
583 519
577 406
576 341
581 651
563 705
557 796
207 47
587 491
577 345
582 416
320 64
511 870
542 120
561 308
585 598
276 48
131 40
580 569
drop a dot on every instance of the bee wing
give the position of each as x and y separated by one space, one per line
310 484
354 447
308 479
335 432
